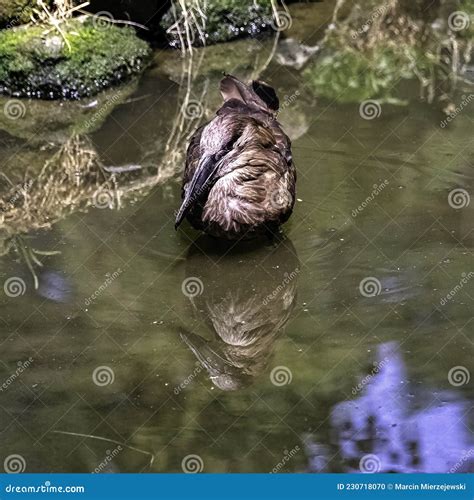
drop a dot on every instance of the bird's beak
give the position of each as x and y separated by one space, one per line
199 186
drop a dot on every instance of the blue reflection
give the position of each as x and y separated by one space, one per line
392 428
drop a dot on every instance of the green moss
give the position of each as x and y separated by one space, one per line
36 61
227 20
348 75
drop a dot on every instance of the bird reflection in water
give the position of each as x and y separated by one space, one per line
392 428
248 294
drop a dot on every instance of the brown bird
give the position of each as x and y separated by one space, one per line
239 179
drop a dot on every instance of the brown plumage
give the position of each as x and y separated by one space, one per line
239 180
239 318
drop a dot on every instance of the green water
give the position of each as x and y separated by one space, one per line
243 356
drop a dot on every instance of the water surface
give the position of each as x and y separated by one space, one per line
346 346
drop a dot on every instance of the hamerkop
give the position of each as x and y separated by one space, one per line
239 178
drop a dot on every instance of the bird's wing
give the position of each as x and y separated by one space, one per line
192 156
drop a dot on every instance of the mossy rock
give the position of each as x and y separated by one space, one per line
226 20
38 62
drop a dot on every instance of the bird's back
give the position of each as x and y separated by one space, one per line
239 178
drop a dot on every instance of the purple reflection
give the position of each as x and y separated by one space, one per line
391 428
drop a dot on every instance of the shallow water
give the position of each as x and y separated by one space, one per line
335 349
